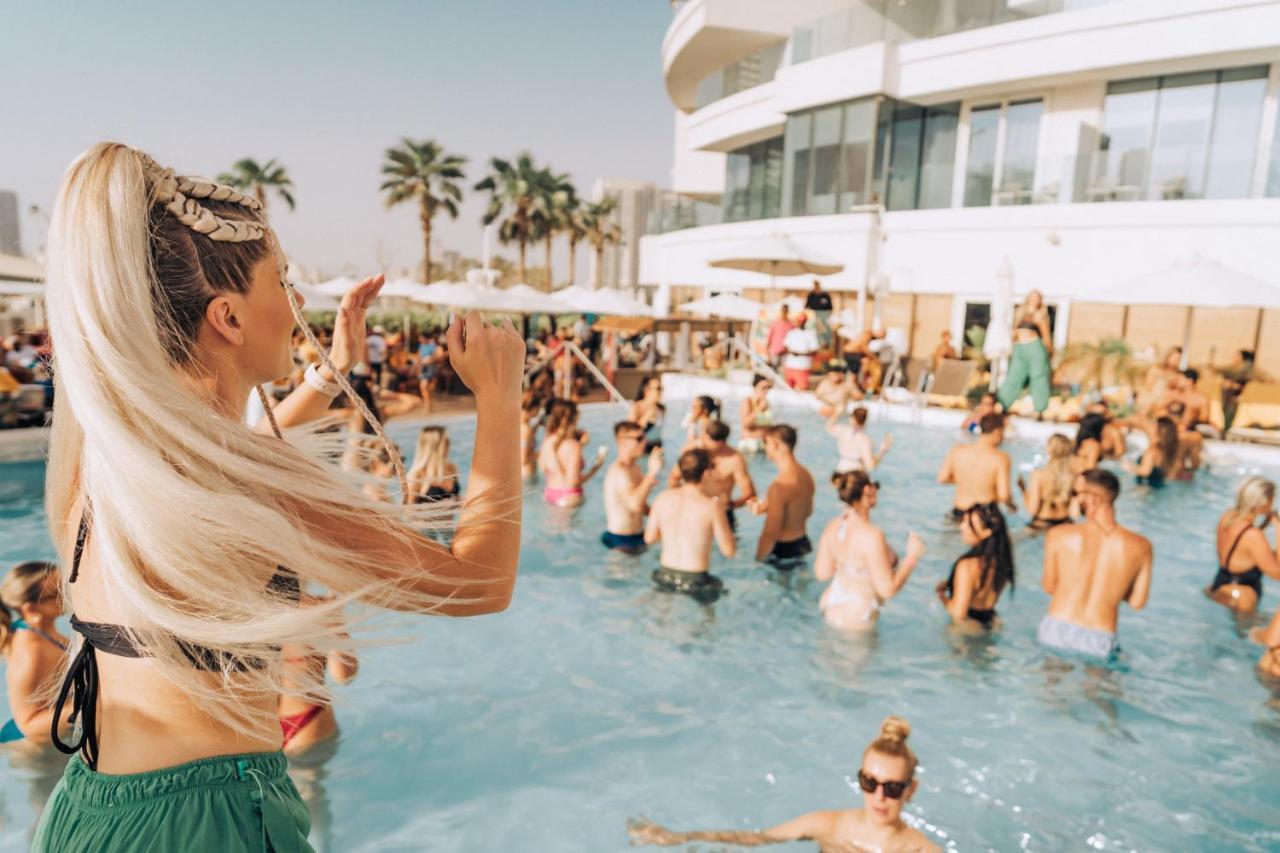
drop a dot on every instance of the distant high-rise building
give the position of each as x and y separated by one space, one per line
636 199
10 242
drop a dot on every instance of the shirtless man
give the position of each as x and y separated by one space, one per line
835 390
1195 411
980 471
728 471
756 415
686 521
787 505
1089 569
626 489
854 445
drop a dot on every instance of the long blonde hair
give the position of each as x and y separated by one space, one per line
23 584
1061 477
190 510
431 459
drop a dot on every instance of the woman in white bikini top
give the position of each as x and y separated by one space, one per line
854 555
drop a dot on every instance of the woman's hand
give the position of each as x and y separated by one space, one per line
488 359
347 349
915 547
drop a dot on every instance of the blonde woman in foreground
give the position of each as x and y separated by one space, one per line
189 538
887 779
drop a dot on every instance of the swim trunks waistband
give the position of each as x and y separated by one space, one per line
701 586
788 555
1070 637
622 541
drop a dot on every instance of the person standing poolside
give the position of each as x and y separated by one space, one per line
376 353
561 456
687 521
1032 348
819 302
755 415
627 489
189 537
787 505
1244 554
778 330
887 779
1090 569
971 591
801 343
980 471
648 411
728 471
854 445
855 556
33 649
1048 498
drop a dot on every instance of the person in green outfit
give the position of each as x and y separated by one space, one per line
1032 348
190 537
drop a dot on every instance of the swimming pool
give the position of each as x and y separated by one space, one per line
594 699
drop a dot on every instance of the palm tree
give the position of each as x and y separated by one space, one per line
597 222
575 227
249 176
516 198
1109 361
423 171
557 198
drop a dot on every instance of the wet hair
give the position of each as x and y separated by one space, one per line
1167 441
645 384
693 464
1090 428
991 423
785 434
717 430
1104 480
1252 494
860 416
994 553
627 426
892 741
24 584
1192 374
850 485
561 416
710 406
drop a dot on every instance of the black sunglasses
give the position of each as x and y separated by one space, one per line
892 790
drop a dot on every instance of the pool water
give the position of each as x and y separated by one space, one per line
594 699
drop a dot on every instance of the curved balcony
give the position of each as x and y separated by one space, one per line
737 120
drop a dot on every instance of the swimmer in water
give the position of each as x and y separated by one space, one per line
972 422
980 471
855 556
854 445
305 719
887 779
1089 443
835 390
433 477
1162 459
34 651
648 412
755 415
627 489
971 591
1269 638
1090 569
1244 554
787 505
531 412
728 471
687 522
704 410
560 457
1048 497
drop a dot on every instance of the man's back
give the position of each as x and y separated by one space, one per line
794 486
978 471
1088 572
685 519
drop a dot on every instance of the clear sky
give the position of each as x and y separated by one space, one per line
324 87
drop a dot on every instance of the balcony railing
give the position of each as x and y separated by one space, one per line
758 67
675 212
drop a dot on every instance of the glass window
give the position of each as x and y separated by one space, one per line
938 159
795 184
826 160
832 34
1237 119
1129 114
737 179
1184 115
772 178
1273 168
855 162
753 181
1021 144
802 44
980 171
904 156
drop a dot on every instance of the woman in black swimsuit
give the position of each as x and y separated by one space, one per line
433 477
971 591
1244 554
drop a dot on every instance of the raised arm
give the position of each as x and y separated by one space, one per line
746 487
1263 557
808 827
884 577
947 473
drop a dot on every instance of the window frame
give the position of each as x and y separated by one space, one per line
1002 136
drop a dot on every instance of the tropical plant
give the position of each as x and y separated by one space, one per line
1110 361
516 200
250 176
424 172
576 229
551 216
600 230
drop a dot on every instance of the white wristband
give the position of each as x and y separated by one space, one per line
318 382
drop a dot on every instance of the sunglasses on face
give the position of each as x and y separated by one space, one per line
892 790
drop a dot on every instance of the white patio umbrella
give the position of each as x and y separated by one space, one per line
316 299
997 345
776 255
726 305
523 299
604 301
336 286
448 294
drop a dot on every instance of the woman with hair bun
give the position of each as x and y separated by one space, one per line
887 779
33 649
855 556
189 538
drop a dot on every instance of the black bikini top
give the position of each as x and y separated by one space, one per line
82 676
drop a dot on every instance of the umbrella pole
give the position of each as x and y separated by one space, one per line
1186 338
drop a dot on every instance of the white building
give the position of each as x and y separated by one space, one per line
10 234
635 203
1089 142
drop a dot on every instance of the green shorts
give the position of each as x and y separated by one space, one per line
228 803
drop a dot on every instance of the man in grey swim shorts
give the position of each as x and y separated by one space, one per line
1090 568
